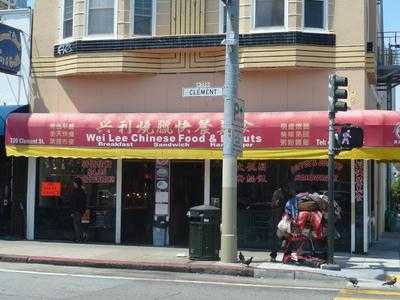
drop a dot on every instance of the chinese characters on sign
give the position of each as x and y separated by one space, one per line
252 172
97 171
161 131
311 170
50 189
359 180
62 134
295 134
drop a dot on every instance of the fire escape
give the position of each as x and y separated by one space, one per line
388 65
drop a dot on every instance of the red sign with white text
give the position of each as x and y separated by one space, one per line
195 130
50 189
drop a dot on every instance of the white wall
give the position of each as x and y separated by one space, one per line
15 89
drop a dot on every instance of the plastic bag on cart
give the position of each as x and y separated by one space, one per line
284 224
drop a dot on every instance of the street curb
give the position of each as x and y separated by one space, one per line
296 275
214 268
187 267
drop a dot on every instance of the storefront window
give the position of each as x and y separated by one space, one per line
54 200
257 181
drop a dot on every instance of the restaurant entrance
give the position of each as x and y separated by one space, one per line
137 201
12 197
187 181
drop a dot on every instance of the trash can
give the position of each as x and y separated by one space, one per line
204 232
160 231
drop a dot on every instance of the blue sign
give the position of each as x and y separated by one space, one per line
10 49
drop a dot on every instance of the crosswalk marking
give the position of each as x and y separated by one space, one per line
358 294
370 292
352 298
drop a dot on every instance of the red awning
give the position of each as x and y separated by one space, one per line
196 135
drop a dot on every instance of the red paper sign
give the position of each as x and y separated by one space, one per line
50 189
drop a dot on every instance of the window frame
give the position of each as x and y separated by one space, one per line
102 36
61 32
153 20
221 17
324 29
269 28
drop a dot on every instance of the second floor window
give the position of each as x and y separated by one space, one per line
68 14
222 18
142 17
101 17
314 14
269 13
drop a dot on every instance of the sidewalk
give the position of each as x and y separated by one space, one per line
371 269
382 260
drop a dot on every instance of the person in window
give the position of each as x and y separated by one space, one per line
77 200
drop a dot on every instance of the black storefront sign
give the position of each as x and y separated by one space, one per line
10 49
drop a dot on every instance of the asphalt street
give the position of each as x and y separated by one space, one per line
28 281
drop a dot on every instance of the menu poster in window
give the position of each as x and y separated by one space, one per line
162 187
252 172
50 189
314 171
97 171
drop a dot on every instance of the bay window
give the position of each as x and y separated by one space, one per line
222 18
314 14
269 13
142 17
68 13
100 17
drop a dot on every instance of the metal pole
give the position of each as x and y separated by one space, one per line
331 187
229 166
331 172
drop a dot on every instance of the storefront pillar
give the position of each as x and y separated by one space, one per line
353 207
366 210
375 200
118 202
31 195
207 165
382 198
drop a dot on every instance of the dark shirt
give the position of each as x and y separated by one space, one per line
77 200
278 203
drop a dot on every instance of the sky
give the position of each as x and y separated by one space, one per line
391 22
391 14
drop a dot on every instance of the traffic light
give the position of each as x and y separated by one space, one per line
336 93
351 137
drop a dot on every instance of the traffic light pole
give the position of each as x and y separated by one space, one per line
331 187
229 165
334 95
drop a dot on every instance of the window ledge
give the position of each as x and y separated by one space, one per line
316 30
268 29
91 37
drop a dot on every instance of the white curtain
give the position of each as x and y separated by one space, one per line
101 17
269 13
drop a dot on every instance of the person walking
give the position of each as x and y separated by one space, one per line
78 205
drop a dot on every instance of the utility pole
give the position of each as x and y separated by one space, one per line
335 105
229 165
